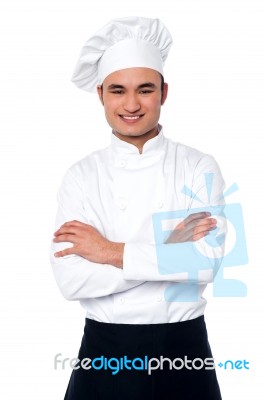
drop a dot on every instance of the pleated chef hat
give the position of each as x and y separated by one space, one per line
122 43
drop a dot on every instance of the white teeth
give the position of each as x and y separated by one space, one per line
130 118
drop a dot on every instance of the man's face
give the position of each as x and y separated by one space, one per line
132 100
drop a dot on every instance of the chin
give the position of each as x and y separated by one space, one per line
129 132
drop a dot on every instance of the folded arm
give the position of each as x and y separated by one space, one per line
79 277
192 251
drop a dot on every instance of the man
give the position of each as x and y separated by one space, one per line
142 293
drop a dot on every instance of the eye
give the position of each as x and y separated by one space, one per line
146 91
117 91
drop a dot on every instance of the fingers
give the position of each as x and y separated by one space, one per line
196 216
199 236
66 233
193 228
197 223
69 227
202 228
64 238
200 233
65 252
193 219
203 225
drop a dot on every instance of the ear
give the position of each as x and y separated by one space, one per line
100 93
164 93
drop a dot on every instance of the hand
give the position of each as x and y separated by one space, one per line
89 243
193 228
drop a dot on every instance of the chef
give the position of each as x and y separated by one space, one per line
131 232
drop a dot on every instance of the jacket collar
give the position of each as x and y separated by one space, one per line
150 147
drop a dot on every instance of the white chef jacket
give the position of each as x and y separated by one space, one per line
118 190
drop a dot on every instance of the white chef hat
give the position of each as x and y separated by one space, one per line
122 43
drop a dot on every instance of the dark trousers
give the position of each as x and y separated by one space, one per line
183 341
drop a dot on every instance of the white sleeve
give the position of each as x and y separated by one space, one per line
76 277
190 261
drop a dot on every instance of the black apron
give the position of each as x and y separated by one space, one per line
132 346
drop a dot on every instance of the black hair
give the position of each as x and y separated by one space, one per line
162 83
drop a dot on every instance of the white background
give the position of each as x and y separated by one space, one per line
217 102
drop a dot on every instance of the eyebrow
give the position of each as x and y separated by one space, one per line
143 85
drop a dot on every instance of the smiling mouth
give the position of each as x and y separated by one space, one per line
131 118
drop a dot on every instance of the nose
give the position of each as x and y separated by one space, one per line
131 103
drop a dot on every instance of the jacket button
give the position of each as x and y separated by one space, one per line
159 298
122 164
122 205
160 204
121 300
